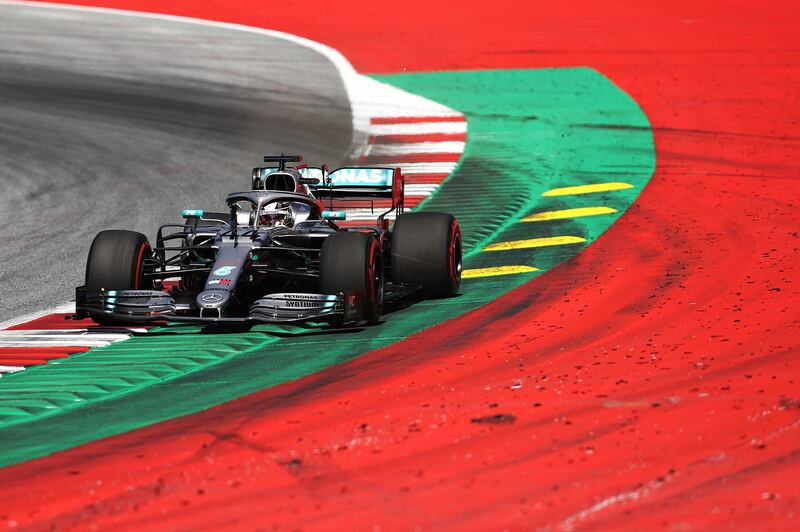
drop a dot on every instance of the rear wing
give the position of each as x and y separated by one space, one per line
361 182
381 187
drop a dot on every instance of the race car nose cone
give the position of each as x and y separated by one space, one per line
212 299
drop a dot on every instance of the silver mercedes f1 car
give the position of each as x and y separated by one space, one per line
277 254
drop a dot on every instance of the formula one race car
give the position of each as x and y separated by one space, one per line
276 255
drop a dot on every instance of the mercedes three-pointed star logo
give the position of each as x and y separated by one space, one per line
211 298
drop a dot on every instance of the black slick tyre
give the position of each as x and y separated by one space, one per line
426 251
353 262
115 262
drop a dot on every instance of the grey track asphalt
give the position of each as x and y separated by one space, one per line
111 121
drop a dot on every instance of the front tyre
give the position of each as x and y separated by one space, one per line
115 262
351 262
426 251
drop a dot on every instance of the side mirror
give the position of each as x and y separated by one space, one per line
256 179
313 181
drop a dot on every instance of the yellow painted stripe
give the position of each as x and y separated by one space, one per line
496 270
568 213
588 189
535 243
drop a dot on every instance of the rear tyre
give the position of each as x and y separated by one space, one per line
426 251
353 262
115 262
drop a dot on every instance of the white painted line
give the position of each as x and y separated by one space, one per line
421 186
425 168
11 369
100 331
60 343
455 147
420 190
418 128
21 336
380 99
111 330
67 308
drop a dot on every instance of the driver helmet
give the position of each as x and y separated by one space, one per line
275 214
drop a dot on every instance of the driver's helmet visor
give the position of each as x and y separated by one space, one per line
269 216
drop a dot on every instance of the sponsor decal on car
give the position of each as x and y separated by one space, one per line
134 293
225 270
304 300
362 176
224 282
211 298
299 303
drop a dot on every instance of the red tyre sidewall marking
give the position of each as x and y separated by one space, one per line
139 274
455 237
373 294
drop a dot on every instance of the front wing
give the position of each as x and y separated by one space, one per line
151 305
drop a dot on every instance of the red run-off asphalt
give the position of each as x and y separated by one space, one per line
650 382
